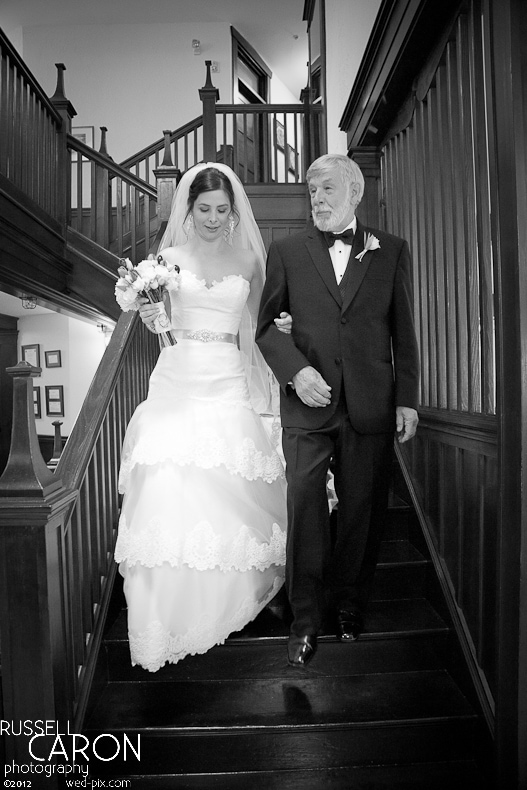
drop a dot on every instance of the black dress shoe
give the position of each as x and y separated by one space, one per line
350 625
301 649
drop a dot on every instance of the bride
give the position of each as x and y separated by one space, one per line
201 542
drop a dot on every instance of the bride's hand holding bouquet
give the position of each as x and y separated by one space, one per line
142 288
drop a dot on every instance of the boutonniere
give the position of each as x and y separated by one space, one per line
371 243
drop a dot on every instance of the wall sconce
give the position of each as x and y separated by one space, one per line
106 332
28 302
196 46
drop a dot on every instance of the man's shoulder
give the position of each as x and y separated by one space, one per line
388 239
389 242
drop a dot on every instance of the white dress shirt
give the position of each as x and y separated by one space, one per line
340 252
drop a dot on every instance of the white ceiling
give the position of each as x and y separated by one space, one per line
273 27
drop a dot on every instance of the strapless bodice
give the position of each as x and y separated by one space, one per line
217 307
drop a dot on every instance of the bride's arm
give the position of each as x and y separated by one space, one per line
284 323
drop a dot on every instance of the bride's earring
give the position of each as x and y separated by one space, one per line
188 227
229 231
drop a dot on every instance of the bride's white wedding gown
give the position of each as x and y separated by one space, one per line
201 541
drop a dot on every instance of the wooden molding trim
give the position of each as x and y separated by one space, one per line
404 35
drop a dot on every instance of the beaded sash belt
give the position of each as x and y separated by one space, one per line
205 335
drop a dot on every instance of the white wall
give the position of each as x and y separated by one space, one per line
348 26
81 346
136 80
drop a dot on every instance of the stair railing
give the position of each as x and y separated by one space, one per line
109 205
30 134
57 535
263 143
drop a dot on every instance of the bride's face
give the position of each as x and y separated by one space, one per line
211 213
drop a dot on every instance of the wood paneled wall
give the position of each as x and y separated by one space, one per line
436 190
436 187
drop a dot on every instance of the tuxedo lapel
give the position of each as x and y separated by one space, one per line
318 250
357 268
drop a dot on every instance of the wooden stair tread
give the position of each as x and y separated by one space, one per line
456 775
385 618
399 552
297 699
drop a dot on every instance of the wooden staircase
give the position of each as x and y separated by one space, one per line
383 712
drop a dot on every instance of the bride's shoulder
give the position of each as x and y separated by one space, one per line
247 261
173 254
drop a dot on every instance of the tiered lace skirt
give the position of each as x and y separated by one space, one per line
201 541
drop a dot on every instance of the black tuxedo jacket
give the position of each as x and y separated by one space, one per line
364 340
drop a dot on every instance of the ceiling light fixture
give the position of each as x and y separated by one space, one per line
28 302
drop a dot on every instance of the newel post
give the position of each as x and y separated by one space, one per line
209 95
103 205
57 446
66 110
33 507
167 179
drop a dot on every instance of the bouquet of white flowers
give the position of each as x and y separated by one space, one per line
151 278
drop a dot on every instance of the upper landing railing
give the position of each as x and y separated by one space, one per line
120 207
263 143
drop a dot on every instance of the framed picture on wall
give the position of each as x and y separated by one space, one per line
279 133
31 354
37 405
55 401
53 359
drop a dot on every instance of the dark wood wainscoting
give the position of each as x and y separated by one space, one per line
453 463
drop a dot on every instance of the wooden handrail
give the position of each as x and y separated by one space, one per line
116 170
110 205
156 147
57 533
249 109
22 69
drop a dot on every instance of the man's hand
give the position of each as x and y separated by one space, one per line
284 323
406 420
311 388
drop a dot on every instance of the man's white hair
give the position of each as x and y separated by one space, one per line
349 170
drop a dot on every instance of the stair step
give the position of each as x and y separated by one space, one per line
398 522
456 775
399 552
400 635
300 719
311 698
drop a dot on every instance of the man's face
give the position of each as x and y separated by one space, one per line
332 201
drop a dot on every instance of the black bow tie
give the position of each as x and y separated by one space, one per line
346 236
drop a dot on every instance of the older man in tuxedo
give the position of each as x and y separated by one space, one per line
348 376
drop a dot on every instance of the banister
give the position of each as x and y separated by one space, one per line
112 167
57 533
159 144
79 447
6 46
247 109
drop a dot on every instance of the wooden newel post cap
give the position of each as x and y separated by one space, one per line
26 473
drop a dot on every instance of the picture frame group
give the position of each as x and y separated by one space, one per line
53 393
